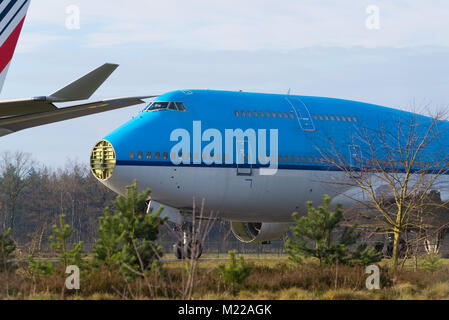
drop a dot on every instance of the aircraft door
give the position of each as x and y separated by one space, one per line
355 155
244 158
302 114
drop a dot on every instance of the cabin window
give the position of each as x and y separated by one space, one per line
236 113
315 117
242 113
292 159
262 114
148 155
255 114
280 159
286 159
280 114
349 119
286 115
292 115
298 159
343 118
354 118
249 113
165 155
131 155
273 114
158 155
321 117
338 118
332 118
140 155
268 115
326 117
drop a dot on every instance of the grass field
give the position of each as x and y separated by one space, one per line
272 277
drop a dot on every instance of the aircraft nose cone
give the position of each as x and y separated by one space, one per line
103 160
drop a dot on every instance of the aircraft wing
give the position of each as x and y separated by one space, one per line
19 114
16 123
81 89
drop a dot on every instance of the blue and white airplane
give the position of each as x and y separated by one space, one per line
199 144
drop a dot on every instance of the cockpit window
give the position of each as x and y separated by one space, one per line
158 105
172 106
181 106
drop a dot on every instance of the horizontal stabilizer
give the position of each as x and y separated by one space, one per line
84 87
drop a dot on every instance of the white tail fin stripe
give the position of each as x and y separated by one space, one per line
3 5
12 23
3 76
12 19
8 7
10 12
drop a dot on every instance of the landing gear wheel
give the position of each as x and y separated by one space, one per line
193 250
433 241
178 250
386 248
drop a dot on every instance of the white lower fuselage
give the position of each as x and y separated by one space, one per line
250 198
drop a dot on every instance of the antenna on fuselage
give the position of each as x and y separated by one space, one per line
289 90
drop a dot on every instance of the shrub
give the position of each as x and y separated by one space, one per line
313 238
41 268
58 243
127 237
432 263
7 248
235 273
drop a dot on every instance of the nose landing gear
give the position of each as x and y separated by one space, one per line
189 247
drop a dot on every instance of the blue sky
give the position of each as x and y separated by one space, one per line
313 47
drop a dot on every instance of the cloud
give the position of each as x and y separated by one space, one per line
252 24
30 42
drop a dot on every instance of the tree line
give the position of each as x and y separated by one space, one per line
33 196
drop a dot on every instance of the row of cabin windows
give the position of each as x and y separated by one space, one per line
291 115
165 156
264 114
149 155
335 118
294 159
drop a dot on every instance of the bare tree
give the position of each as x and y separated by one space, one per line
190 239
392 169
15 168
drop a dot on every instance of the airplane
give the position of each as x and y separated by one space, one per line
20 114
199 144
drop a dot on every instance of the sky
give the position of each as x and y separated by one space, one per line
392 53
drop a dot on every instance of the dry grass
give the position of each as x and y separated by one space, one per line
271 278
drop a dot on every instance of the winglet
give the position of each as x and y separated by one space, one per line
84 87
